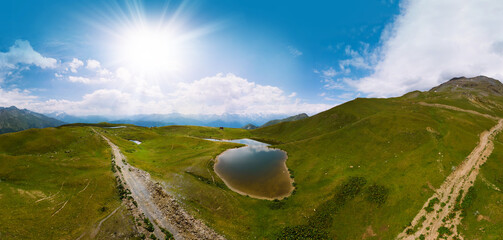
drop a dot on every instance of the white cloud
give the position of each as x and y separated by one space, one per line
232 94
363 59
432 41
294 51
75 64
22 53
329 73
79 79
85 80
219 94
16 97
93 64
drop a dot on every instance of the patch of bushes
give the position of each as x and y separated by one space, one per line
468 200
317 226
457 204
123 192
431 204
148 225
302 232
377 194
276 204
444 231
168 235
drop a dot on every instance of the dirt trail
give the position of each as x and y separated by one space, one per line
438 105
445 213
155 204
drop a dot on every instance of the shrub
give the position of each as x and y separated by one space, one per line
168 235
276 204
376 194
148 225
444 231
323 217
431 204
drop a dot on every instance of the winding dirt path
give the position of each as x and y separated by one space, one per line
443 213
438 105
156 205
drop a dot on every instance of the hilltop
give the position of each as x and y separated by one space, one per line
481 84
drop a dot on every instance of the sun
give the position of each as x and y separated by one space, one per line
152 50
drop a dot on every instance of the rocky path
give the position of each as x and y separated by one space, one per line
441 213
151 201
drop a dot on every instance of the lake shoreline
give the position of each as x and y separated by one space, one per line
291 180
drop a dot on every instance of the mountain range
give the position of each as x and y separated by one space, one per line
157 120
13 119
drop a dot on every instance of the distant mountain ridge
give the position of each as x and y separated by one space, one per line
13 119
158 120
249 126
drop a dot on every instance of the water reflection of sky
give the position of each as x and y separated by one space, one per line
245 141
254 168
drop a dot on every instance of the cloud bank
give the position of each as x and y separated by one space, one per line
430 42
121 92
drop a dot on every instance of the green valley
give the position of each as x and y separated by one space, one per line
361 170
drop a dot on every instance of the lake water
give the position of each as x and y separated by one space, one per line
136 141
255 170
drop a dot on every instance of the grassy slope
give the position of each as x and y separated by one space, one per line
402 146
38 163
392 148
488 202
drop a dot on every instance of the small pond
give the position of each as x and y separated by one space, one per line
136 141
255 170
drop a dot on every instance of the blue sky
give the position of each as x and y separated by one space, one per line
242 57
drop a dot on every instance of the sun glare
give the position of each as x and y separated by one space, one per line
150 50
154 45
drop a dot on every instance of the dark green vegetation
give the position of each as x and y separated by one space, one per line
288 119
13 120
56 183
316 227
362 169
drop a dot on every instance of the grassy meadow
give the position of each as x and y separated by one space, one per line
362 170
400 150
56 183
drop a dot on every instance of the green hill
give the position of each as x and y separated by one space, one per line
288 119
362 170
56 183
13 119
